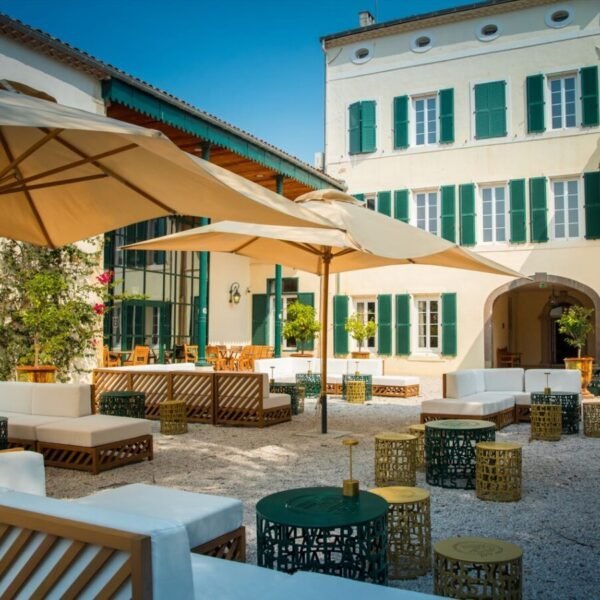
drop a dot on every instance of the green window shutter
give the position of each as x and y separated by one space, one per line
448 212
359 197
402 324
384 203
535 104
466 194
518 228
401 122
490 110
589 96
446 100
384 324
367 126
538 209
307 298
260 319
401 205
449 333
340 335
591 187
354 120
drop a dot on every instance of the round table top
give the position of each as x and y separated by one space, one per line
460 424
390 436
320 507
478 550
417 427
498 446
397 494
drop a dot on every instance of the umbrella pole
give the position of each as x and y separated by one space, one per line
325 260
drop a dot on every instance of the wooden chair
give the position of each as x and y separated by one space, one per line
110 359
213 356
190 353
504 358
245 361
140 356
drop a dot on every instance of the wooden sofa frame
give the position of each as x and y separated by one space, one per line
388 391
229 546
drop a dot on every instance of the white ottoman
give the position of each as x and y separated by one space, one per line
23 472
213 523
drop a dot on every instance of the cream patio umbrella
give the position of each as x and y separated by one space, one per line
325 251
67 174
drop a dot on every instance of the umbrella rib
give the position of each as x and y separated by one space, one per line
72 165
30 201
14 162
115 175
306 247
244 245
40 186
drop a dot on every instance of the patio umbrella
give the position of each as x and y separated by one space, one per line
67 174
325 251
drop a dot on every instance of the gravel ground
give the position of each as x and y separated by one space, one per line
557 522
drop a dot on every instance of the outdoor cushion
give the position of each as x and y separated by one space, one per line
205 517
93 430
23 427
61 399
560 380
23 472
482 404
171 565
274 400
395 380
464 383
503 379
522 398
15 396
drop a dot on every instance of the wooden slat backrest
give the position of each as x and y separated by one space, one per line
26 526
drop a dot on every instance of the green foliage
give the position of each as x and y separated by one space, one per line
49 306
301 324
576 324
359 329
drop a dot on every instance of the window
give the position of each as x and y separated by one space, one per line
488 32
490 110
421 43
428 331
362 127
362 54
371 201
563 104
427 211
493 211
567 217
558 17
425 109
367 309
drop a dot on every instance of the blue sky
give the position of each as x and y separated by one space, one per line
256 64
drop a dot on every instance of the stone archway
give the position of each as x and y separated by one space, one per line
538 278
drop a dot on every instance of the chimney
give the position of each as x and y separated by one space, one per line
365 18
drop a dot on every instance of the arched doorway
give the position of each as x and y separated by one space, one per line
522 316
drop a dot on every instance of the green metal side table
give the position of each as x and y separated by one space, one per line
123 404
368 380
450 451
569 402
319 529
3 433
311 383
296 391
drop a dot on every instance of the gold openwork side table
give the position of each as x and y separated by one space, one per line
395 459
418 430
355 392
591 418
409 531
498 471
546 422
173 417
480 568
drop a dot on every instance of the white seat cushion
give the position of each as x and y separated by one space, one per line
205 517
500 380
275 400
486 403
523 398
23 472
396 380
61 399
93 430
15 396
24 427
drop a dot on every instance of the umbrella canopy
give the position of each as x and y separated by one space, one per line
66 174
324 251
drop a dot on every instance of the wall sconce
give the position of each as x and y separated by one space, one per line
234 293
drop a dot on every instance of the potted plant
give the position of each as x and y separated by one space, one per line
576 324
360 330
301 325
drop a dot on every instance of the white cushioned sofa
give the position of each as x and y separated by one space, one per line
286 368
499 395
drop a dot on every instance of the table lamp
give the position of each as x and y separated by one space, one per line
350 486
547 389
272 374
357 372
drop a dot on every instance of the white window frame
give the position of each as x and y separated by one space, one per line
580 211
413 210
561 76
413 120
428 350
493 187
364 300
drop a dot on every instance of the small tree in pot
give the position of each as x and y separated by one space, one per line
301 324
360 330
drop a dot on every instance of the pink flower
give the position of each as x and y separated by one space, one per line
99 308
105 278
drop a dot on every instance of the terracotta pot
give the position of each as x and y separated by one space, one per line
361 354
584 364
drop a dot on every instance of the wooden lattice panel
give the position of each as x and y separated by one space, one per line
156 387
396 391
229 546
196 390
21 443
41 554
108 380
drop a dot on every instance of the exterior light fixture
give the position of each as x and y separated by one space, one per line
234 293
